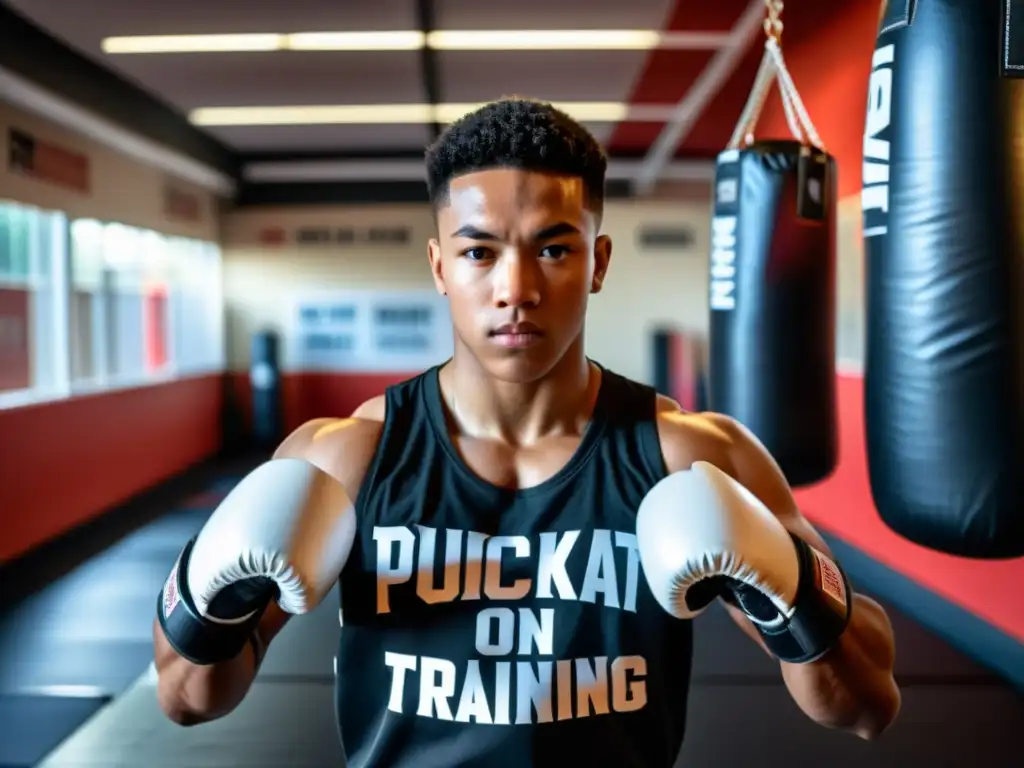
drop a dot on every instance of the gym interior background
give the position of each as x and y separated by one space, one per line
148 235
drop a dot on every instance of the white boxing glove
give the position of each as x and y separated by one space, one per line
284 532
701 535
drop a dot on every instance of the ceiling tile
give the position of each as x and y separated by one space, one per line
544 14
554 75
288 78
325 138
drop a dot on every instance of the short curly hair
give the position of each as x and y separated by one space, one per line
519 133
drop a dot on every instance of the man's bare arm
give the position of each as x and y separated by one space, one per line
190 694
852 687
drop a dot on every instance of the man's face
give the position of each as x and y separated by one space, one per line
518 254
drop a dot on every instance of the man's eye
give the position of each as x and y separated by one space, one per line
554 251
476 254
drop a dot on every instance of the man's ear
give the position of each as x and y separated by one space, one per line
602 258
434 254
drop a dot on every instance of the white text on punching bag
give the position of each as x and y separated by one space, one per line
723 263
875 194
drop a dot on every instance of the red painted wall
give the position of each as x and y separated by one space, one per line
831 71
62 463
830 67
317 395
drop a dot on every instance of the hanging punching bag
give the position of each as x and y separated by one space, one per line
944 241
771 356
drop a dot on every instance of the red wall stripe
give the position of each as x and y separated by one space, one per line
62 463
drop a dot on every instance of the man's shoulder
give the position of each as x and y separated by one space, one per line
689 436
342 447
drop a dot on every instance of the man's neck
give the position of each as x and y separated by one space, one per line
520 414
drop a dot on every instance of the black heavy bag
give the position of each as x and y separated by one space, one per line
771 357
772 301
944 236
265 381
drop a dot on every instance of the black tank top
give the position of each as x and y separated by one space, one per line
491 627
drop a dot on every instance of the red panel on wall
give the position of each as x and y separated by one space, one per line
154 310
15 360
75 458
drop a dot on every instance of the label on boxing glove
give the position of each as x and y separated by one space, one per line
192 635
171 595
829 580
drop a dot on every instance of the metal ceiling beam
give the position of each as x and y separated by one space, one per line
715 75
428 60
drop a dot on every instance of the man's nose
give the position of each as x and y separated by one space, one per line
517 283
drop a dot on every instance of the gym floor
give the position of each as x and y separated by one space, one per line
77 685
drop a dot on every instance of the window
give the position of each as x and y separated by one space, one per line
32 307
88 313
197 307
91 305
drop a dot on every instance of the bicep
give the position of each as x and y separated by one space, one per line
755 469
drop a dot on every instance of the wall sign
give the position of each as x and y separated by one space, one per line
369 331
347 237
46 162
180 205
666 237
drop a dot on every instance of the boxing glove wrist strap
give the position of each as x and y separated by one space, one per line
192 635
820 613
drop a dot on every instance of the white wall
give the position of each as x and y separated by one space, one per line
121 189
644 288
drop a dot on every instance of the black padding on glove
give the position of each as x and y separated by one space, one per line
199 639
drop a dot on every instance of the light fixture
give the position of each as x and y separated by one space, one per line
369 114
193 43
410 40
568 40
356 41
314 115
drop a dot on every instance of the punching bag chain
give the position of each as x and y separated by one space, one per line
773 67
773 22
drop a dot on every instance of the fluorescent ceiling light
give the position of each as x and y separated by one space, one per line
410 40
356 41
314 115
369 114
543 39
584 111
193 43
571 40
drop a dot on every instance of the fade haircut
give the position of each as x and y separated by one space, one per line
521 134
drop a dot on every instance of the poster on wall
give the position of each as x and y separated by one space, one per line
336 236
369 331
181 205
47 162
15 361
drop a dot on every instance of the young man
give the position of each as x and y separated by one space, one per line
520 534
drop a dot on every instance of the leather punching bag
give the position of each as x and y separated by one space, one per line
944 241
265 381
772 281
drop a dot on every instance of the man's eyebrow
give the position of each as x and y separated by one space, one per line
472 233
557 230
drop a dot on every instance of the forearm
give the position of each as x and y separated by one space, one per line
852 687
190 694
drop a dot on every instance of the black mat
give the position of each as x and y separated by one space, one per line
32 726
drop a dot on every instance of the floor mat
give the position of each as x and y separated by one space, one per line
33 726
